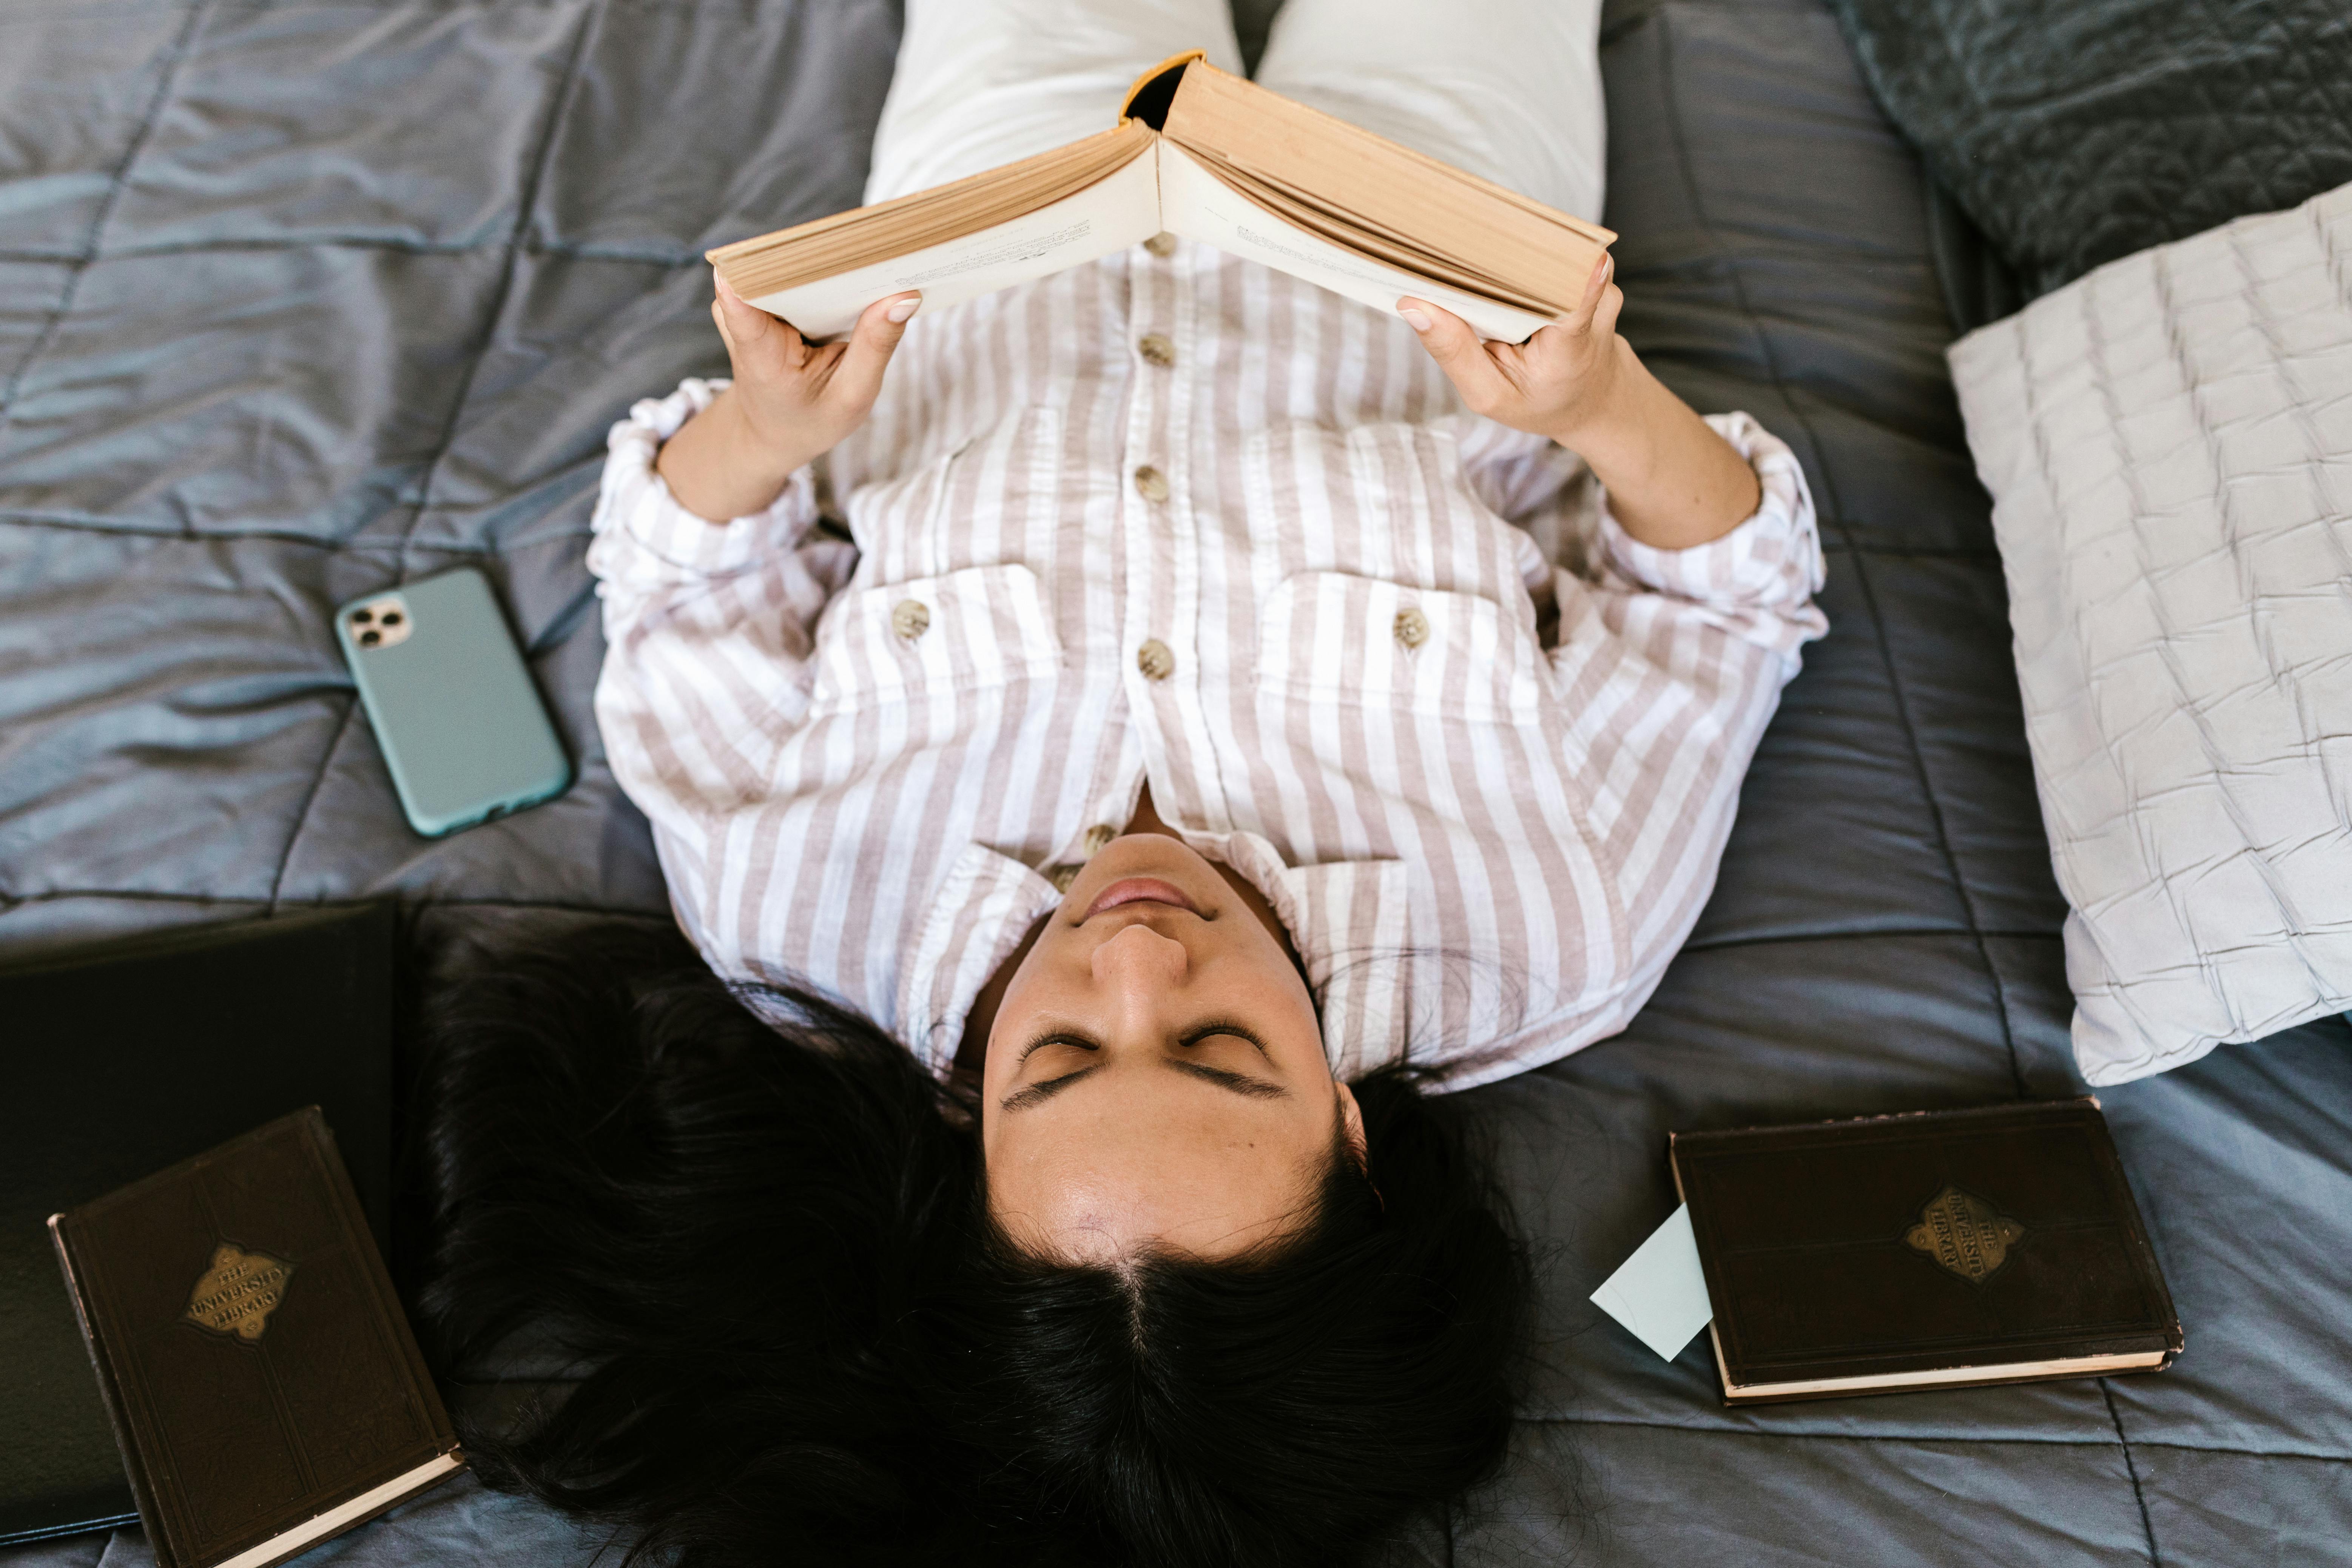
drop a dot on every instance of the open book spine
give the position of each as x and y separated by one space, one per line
1166 189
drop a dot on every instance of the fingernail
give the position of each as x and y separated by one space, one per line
1417 320
902 310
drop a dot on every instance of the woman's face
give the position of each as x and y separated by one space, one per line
1155 1071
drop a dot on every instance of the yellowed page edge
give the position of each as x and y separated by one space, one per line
1329 131
1117 211
1197 205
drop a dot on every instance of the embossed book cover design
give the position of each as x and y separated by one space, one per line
1932 1250
263 1385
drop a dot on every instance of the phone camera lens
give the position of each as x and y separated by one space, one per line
392 617
370 637
361 617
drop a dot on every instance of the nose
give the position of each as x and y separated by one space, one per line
1139 959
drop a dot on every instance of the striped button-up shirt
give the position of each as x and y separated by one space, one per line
1174 518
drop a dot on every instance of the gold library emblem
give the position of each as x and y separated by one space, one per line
1965 1233
238 1291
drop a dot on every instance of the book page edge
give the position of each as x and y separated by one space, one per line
344 1515
866 284
1489 318
1954 1376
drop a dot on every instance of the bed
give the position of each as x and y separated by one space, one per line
304 298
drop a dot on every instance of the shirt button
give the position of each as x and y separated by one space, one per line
1160 245
910 618
1151 483
1411 627
1154 660
1156 349
1063 875
1098 836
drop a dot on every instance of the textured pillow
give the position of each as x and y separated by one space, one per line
2168 444
2076 131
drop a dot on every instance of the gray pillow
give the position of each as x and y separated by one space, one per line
2076 131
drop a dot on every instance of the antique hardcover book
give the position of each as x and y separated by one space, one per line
1212 157
136 1054
1921 1251
263 1386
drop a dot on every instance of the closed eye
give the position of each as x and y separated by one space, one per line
1248 1088
1209 1031
1237 1083
1039 1093
1232 1082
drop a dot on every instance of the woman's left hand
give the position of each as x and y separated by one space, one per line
1556 383
1673 482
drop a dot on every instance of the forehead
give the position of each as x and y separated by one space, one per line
1124 1178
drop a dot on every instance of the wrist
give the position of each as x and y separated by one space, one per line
1608 408
761 455
719 467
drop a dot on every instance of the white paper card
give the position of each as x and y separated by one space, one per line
1660 1292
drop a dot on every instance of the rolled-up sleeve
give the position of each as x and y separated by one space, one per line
709 630
1758 582
1669 666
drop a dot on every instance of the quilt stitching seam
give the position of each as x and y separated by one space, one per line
1837 520
2131 1468
2006 1440
147 895
525 200
309 797
175 56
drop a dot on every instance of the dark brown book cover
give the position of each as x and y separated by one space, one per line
1939 1248
263 1385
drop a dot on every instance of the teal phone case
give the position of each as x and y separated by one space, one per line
461 725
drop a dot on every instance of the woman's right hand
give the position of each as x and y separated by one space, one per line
791 403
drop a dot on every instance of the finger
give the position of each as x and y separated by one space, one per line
857 379
1458 352
1596 284
756 340
1604 314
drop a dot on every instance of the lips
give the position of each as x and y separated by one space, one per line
1140 890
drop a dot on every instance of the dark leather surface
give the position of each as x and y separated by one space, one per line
265 352
1833 1250
301 1391
134 1058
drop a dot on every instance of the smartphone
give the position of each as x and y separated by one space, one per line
462 727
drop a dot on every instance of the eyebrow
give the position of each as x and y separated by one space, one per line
1232 1082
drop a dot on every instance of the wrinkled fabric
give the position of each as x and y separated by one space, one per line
1485 848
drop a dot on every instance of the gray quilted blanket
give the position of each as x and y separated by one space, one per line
302 298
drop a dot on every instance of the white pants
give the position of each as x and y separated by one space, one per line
1509 89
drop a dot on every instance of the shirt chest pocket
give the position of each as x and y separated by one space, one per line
983 627
1327 637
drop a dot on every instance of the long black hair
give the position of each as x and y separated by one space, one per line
764 1240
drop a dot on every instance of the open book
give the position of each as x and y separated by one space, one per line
1210 156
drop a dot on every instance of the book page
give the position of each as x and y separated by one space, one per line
1117 211
1197 205
1412 201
